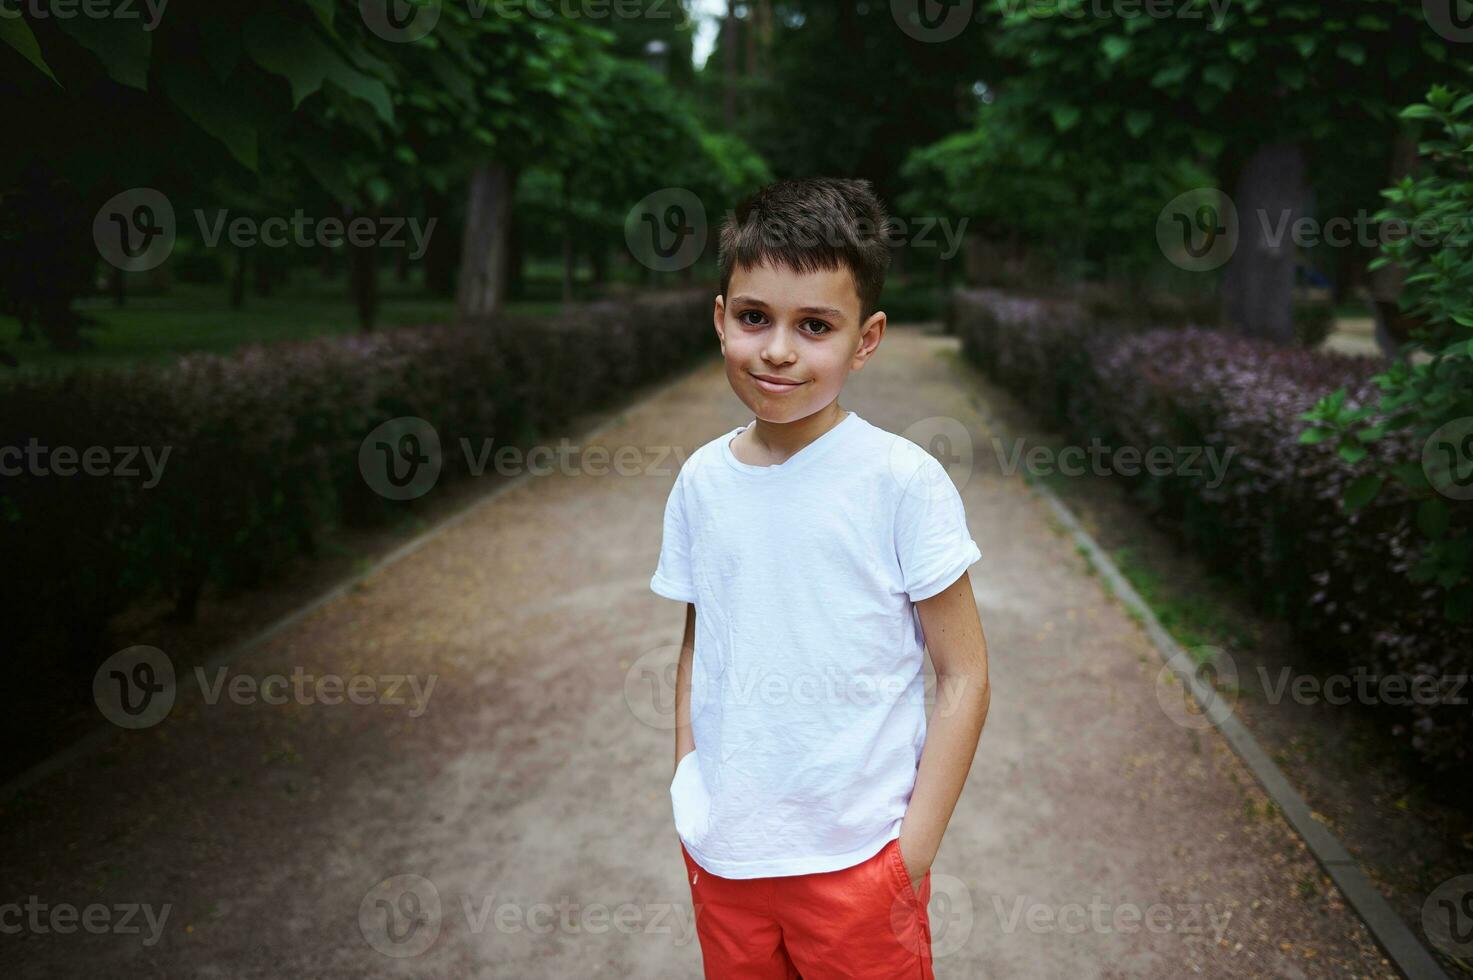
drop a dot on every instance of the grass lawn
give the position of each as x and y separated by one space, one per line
155 327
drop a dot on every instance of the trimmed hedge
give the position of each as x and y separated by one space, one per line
1275 522
263 448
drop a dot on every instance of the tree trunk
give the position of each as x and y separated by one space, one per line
1350 268
598 260
401 262
439 257
570 265
570 255
1258 281
264 274
729 67
483 253
516 258
238 279
363 274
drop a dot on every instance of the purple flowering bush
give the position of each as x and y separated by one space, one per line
1274 522
263 449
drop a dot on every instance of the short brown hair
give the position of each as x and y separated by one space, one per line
809 224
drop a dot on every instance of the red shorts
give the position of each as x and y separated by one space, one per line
862 921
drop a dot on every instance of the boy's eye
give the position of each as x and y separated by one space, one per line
810 323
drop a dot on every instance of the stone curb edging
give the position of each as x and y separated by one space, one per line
93 741
1399 943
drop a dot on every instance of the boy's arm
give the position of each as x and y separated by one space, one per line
959 653
684 740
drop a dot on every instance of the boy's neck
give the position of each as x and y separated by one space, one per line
777 441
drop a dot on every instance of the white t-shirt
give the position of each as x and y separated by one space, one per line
807 687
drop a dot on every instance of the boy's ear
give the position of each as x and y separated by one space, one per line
717 315
870 333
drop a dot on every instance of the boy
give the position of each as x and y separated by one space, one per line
818 555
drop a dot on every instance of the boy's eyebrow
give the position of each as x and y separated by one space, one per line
818 310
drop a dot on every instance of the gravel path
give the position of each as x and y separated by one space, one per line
526 798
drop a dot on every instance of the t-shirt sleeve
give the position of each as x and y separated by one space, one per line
931 537
672 578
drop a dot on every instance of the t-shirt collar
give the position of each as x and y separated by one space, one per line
799 459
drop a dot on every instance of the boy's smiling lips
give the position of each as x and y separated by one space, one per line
773 382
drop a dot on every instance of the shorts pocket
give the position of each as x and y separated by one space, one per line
902 876
690 800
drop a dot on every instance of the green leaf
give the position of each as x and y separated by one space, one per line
1411 475
1352 453
1310 437
1242 50
1207 143
1292 76
212 107
1065 116
1458 606
306 62
122 46
323 10
17 33
1362 491
1173 75
1220 75
1351 52
1115 47
1432 517
1138 122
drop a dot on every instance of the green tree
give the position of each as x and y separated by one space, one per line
1431 399
1263 93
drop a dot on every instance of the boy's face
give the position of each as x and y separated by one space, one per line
800 327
